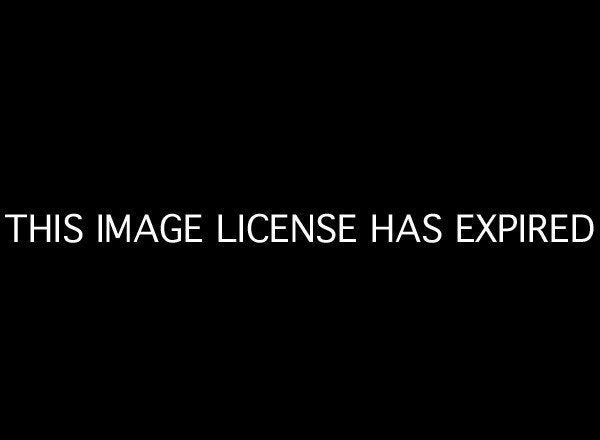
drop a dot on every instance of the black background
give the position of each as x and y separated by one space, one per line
386 112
